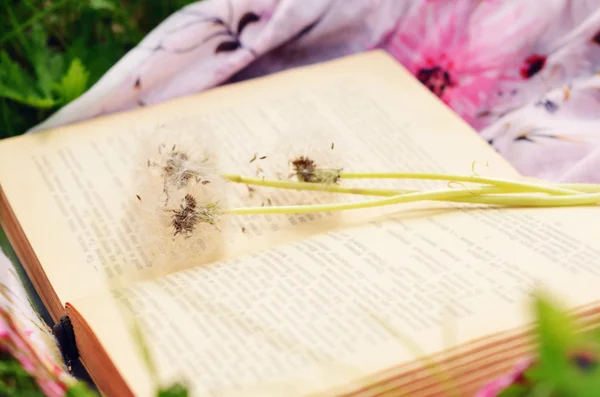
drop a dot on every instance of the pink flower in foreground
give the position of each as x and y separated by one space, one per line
461 50
494 388
51 379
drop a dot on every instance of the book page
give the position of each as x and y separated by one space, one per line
306 317
75 190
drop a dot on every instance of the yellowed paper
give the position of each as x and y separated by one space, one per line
300 318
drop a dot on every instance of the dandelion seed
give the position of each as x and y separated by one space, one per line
179 158
262 158
185 219
177 170
138 197
190 215
304 168
253 158
332 145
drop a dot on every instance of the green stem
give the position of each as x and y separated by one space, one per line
488 195
444 194
524 186
329 188
541 201
319 187
581 187
492 197
480 196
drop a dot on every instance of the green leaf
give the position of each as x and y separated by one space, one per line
73 83
80 389
176 390
532 374
559 339
17 85
107 5
514 391
47 64
556 337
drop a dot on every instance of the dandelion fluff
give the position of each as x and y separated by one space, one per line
311 158
277 164
179 201
189 230
176 154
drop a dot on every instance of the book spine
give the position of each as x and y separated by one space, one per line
67 344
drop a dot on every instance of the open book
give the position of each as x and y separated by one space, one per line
356 303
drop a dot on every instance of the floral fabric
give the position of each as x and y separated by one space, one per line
524 74
25 336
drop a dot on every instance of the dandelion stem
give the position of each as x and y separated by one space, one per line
493 197
444 194
490 195
320 187
581 187
538 201
523 186
507 186
331 188
474 196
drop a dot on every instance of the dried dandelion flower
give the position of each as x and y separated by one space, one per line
306 169
189 230
186 218
310 157
315 159
318 157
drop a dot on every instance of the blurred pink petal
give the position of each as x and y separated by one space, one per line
493 388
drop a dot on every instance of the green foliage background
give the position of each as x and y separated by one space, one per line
51 51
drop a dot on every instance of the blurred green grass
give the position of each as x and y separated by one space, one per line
51 51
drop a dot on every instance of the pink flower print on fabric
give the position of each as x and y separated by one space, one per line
436 43
554 51
52 381
495 387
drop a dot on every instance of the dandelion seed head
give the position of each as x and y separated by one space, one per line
189 230
310 157
307 170
180 214
274 159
